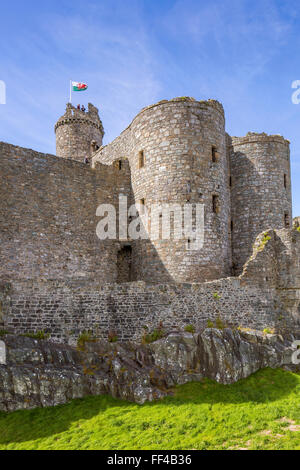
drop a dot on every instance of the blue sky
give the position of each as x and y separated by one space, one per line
136 52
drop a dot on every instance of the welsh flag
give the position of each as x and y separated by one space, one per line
77 86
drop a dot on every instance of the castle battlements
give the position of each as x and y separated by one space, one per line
78 133
253 137
73 115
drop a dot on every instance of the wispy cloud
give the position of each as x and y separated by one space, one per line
115 59
240 37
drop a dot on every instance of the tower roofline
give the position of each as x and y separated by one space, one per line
79 132
253 137
209 103
190 100
73 115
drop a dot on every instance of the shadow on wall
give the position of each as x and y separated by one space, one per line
274 263
137 259
287 246
244 221
252 209
133 263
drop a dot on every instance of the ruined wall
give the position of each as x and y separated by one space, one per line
65 309
275 262
266 295
48 216
296 222
176 138
76 132
260 190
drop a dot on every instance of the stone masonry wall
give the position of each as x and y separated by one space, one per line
76 131
275 262
296 221
48 216
65 309
260 190
176 139
266 295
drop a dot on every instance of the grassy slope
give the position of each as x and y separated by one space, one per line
204 415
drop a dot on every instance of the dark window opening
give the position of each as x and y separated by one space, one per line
214 154
142 204
231 226
120 164
94 146
215 204
285 181
230 181
124 265
286 220
141 159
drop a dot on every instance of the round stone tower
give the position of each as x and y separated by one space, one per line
78 133
178 156
260 190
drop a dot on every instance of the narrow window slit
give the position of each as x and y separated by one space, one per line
141 159
214 154
215 204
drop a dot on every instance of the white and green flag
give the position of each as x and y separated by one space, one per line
78 86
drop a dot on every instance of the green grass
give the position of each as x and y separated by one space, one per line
255 413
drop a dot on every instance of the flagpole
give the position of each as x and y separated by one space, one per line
71 91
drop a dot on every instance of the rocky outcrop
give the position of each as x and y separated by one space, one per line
40 373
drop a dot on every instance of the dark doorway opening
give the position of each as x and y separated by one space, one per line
124 264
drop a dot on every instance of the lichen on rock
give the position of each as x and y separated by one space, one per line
41 373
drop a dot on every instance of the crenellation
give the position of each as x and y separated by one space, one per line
78 133
253 137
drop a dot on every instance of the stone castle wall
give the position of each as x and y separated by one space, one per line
48 216
176 139
296 221
57 276
66 309
76 132
266 295
260 190
275 262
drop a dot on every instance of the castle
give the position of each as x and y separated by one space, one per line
57 275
